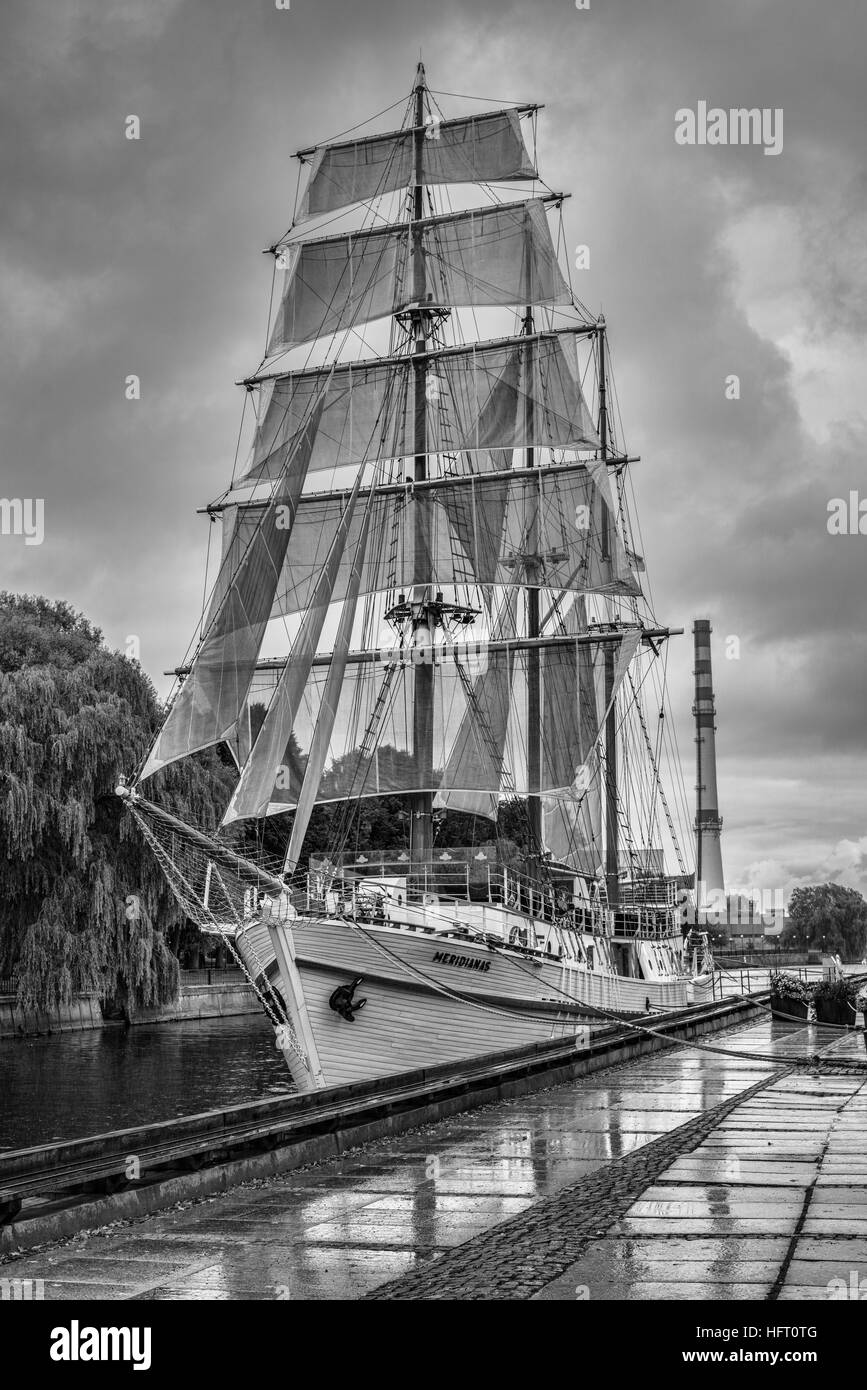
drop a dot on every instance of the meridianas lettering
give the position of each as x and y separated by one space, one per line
465 962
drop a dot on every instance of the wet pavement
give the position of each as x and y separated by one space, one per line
686 1175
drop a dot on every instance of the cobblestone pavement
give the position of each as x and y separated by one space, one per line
686 1174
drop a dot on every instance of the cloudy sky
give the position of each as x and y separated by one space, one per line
120 257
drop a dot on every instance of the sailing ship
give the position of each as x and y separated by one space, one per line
433 520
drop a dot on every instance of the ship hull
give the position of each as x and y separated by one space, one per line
433 999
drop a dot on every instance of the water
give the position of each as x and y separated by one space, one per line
75 1084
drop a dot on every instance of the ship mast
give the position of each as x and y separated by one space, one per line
534 694
423 616
611 826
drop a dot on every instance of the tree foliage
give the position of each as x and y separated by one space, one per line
828 917
83 903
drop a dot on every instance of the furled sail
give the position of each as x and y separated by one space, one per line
488 148
271 760
519 393
473 530
210 701
488 256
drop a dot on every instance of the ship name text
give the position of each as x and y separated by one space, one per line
465 962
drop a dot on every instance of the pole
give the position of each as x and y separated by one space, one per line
421 803
612 881
534 691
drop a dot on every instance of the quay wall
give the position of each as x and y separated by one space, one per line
201 1001
195 1001
83 1012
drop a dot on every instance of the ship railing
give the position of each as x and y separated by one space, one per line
649 922
372 890
363 890
544 901
656 892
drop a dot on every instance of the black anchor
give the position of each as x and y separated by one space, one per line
341 1000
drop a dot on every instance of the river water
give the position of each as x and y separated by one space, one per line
72 1084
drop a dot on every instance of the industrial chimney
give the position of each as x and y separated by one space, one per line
708 822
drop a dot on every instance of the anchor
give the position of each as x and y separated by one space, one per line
341 1000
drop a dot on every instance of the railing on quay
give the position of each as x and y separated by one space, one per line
214 975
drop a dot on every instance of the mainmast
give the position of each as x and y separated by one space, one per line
423 616
534 694
611 826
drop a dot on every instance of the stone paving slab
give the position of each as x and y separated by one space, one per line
710 1292
328 1274
610 1274
665 1190
707 1226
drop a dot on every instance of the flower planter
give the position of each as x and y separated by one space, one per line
835 1011
782 1007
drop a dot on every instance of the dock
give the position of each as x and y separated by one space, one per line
714 1167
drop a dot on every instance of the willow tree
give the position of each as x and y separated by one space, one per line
83 904
828 917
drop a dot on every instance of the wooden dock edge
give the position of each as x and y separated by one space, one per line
546 1065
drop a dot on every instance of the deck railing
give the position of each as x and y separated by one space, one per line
361 889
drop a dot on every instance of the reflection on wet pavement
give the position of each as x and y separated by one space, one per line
721 1221
718 1223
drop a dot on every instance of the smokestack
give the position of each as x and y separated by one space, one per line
708 822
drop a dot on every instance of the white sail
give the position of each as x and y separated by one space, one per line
209 703
475 772
324 727
488 148
268 764
572 765
519 393
487 256
371 748
476 530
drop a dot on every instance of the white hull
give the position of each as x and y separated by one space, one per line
431 998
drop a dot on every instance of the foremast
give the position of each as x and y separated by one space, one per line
424 618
